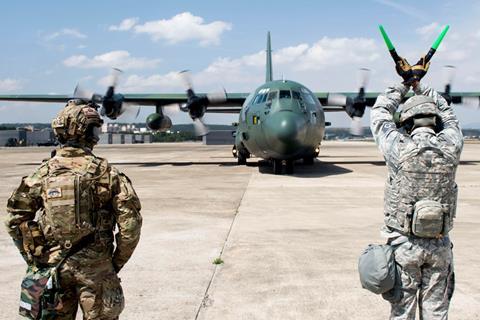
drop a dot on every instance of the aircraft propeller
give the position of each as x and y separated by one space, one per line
112 103
449 75
196 106
449 72
355 107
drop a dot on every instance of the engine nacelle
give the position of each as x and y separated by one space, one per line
112 106
158 122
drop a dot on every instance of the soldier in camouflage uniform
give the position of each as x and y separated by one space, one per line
77 194
420 194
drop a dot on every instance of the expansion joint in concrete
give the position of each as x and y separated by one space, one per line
206 301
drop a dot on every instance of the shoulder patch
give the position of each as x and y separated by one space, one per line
54 193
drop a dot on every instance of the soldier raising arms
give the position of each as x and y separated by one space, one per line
420 194
69 246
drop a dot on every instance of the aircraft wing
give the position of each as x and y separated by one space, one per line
470 98
370 98
233 103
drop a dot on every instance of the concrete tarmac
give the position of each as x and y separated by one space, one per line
289 244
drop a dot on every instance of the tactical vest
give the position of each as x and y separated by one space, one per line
73 194
421 198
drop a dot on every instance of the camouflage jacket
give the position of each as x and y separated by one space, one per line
120 208
396 146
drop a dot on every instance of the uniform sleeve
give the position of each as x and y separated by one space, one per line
126 206
22 206
383 127
451 133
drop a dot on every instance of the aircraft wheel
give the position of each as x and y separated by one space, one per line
308 160
277 166
289 167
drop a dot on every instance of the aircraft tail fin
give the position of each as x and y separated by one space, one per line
268 73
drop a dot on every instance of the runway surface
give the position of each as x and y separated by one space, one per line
290 244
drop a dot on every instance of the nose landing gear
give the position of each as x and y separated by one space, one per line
241 154
278 166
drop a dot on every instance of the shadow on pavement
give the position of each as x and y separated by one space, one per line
318 169
264 166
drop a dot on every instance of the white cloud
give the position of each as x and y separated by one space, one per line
329 52
428 29
325 53
155 83
9 84
180 28
74 33
125 25
329 61
120 59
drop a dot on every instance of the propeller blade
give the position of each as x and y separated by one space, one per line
471 102
200 128
356 127
364 77
449 74
186 78
217 97
337 100
114 76
82 93
129 111
171 109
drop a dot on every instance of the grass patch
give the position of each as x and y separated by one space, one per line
218 261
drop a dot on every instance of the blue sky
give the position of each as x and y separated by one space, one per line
50 46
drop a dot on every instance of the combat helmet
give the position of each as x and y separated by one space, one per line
77 124
419 111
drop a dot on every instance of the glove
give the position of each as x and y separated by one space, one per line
419 70
404 69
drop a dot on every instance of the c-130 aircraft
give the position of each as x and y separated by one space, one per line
281 121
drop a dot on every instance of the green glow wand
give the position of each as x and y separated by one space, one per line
428 56
435 45
389 44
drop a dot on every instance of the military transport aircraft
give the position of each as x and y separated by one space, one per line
281 121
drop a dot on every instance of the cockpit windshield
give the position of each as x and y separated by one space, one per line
272 96
296 95
285 94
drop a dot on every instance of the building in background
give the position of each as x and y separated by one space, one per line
219 137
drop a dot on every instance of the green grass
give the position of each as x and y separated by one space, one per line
218 261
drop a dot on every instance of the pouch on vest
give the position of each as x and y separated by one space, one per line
376 267
428 219
34 243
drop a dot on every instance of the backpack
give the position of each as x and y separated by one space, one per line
70 199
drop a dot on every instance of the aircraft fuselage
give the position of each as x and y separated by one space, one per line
281 120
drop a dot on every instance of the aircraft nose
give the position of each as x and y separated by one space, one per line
285 130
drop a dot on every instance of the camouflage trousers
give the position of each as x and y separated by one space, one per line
94 285
426 268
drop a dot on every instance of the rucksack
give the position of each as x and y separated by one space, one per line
69 199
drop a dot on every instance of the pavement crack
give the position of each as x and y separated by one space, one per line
206 300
